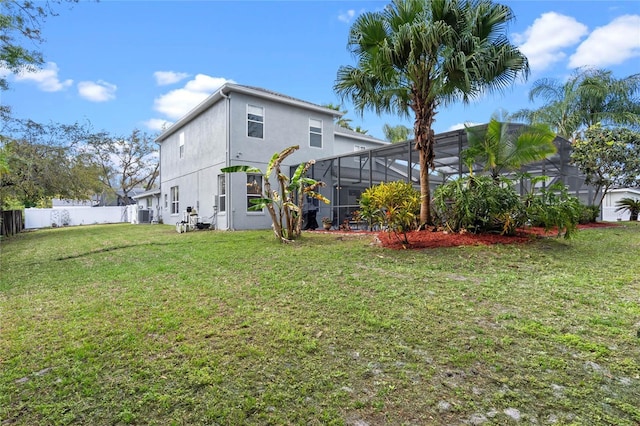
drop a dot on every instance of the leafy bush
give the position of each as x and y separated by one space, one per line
393 206
479 204
589 214
554 207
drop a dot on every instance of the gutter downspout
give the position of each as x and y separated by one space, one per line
227 111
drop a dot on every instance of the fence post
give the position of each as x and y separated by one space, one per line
11 222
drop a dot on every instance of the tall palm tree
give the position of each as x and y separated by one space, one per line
588 97
417 55
499 148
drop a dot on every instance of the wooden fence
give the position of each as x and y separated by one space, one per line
11 222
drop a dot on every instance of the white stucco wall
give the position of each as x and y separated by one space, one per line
609 212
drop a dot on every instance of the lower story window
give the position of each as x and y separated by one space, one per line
222 194
175 200
254 189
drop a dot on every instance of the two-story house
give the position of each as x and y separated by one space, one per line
242 125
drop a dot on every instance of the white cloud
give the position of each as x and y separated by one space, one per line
164 78
46 78
97 91
177 103
157 124
543 42
611 44
347 16
459 126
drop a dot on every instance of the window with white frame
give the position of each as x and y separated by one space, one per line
222 194
175 200
181 144
255 121
315 133
254 189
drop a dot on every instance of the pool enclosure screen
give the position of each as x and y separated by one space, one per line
348 175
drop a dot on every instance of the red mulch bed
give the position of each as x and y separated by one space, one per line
431 239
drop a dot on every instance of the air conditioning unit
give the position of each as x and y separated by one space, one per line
144 216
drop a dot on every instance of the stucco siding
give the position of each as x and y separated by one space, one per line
284 126
609 207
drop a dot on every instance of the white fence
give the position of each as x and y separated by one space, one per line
72 216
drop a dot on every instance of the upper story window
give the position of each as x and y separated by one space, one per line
255 121
181 144
315 133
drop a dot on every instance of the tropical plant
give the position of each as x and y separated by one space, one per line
340 121
588 97
368 212
284 203
554 207
479 204
397 133
393 206
630 204
499 147
608 158
415 55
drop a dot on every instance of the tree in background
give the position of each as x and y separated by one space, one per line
397 133
20 25
416 55
499 147
345 122
588 97
609 157
126 163
44 162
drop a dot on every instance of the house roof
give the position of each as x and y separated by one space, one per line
146 194
352 134
623 190
227 88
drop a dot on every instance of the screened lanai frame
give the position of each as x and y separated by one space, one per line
347 176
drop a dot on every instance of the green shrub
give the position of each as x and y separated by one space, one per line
393 206
589 214
478 204
554 207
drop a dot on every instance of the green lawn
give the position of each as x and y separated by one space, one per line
136 324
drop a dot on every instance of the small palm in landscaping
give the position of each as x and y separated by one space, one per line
630 204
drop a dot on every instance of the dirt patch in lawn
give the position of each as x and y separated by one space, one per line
438 238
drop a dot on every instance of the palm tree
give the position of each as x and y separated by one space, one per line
397 133
585 99
499 148
342 122
416 55
631 204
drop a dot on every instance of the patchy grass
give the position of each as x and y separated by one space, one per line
135 324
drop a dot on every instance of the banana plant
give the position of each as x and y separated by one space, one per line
284 203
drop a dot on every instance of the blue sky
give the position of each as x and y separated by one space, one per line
136 64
